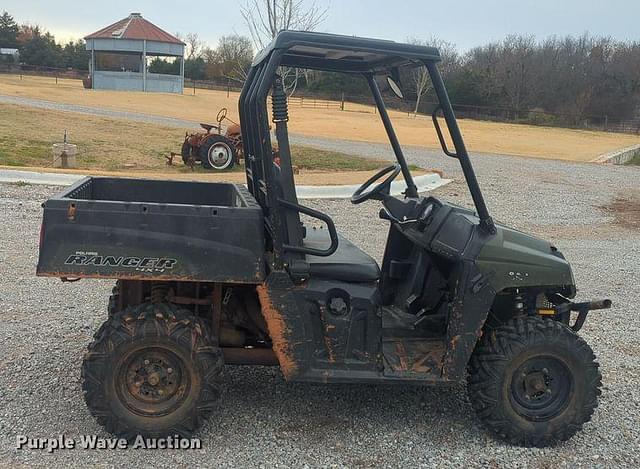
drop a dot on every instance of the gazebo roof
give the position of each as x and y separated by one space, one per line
136 27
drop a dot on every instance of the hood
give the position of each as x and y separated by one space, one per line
514 259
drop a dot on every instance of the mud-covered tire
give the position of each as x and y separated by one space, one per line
217 145
114 299
127 384
533 382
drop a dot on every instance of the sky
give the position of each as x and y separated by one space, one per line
465 23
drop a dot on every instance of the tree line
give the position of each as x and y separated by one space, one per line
572 77
575 77
37 47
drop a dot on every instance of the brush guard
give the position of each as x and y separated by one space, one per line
562 312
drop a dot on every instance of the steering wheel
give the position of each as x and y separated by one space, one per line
381 189
222 114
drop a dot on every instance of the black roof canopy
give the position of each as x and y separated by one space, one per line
333 52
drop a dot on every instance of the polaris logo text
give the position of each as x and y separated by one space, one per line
145 264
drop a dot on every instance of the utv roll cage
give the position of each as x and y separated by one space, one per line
272 184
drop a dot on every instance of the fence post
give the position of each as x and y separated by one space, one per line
194 87
56 78
342 102
228 88
606 122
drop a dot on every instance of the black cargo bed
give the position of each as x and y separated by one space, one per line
151 229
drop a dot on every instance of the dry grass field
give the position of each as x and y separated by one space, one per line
488 137
109 145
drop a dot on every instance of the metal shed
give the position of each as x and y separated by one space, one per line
121 51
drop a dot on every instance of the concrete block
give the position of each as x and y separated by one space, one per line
64 155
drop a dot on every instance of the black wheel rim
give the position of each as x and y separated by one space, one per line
541 388
152 381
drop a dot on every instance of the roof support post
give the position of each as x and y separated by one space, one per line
144 65
412 190
92 65
486 222
182 73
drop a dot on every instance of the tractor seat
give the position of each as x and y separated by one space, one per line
208 127
348 264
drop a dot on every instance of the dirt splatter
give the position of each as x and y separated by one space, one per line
625 209
278 331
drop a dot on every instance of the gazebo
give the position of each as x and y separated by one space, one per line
120 54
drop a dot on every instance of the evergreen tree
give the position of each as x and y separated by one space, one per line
8 31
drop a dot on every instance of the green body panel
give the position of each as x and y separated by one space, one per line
514 259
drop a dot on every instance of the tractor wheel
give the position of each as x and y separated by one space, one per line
533 382
152 370
112 307
185 152
218 153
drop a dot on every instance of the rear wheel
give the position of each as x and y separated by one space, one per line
185 152
218 153
152 370
533 382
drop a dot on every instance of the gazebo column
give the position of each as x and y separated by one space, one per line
92 65
182 73
144 65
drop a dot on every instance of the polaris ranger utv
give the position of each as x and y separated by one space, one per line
210 274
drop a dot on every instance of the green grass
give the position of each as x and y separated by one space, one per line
314 159
24 152
635 161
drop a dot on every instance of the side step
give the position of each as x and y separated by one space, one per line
413 358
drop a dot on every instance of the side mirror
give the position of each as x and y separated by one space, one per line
395 87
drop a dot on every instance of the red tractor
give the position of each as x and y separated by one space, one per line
213 148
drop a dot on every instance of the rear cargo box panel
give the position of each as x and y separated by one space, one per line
146 229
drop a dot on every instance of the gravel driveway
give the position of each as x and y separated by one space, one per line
592 214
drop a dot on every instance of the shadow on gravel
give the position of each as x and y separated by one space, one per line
319 412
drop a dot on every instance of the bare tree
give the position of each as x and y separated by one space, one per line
513 70
420 75
194 45
234 54
266 18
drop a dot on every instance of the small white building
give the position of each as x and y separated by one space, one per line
119 55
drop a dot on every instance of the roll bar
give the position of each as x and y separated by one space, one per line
412 190
461 154
273 186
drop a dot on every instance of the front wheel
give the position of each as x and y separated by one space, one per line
152 370
533 382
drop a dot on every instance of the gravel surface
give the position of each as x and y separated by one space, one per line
265 422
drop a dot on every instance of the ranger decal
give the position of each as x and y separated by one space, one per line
145 264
